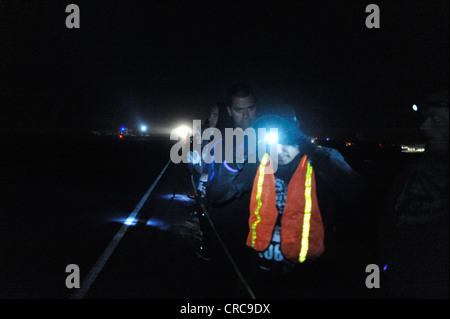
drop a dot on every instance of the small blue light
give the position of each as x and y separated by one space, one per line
385 267
143 128
122 128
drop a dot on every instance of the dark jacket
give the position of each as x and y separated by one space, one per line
336 182
228 200
414 230
229 192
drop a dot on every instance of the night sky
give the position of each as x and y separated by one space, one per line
168 61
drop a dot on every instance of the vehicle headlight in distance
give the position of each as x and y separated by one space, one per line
183 131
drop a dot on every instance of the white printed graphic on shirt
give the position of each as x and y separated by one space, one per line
273 252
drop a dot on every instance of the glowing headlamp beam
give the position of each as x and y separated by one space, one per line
271 138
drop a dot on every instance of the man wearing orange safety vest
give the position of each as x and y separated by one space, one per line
292 203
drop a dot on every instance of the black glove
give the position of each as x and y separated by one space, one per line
238 166
305 144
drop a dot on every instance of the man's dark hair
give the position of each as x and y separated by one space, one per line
238 90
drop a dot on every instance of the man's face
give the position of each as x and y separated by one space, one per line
286 153
435 128
243 111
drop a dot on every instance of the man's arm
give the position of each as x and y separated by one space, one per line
332 167
230 181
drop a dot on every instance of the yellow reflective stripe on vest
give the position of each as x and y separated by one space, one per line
262 167
307 215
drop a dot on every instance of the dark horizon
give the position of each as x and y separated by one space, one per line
165 63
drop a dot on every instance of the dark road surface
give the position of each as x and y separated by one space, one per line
63 201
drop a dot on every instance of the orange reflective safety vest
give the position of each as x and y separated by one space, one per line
302 230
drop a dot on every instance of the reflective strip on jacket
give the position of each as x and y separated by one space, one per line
302 232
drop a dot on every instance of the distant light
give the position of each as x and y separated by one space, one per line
415 108
328 138
271 138
183 131
120 136
417 148
122 128
385 267
143 128
348 143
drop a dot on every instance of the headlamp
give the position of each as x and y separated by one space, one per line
271 138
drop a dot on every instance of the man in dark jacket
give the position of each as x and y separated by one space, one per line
308 205
228 191
414 231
